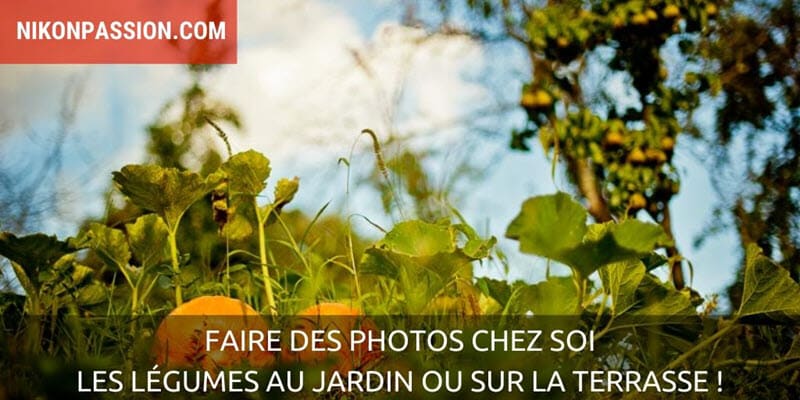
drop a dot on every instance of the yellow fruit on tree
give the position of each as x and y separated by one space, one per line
672 11
636 156
562 41
613 138
667 143
639 19
651 14
711 10
543 99
655 156
538 99
528 99
637 201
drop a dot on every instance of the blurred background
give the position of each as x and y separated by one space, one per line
439 82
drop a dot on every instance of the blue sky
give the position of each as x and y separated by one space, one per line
304 99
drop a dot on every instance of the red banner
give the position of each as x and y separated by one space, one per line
118 32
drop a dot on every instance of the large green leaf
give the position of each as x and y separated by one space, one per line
620 281
242 222
33 253
247 173
768 289
110 244
554 227
549 226
147 237
655 304
555 296
419 238
422 257
420 279
168 192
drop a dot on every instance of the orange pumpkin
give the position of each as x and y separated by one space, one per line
181 338
334 316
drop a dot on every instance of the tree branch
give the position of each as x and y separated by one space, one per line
586 180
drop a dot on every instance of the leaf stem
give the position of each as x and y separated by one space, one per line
34 330
791 367
700 346
135 300
750 363
262 250
176 269
580 289
351 254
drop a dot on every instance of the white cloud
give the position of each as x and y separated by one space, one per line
315 81
309 78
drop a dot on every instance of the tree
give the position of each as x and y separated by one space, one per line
752 64
618 154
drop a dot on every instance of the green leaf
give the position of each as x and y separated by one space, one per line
555 296
496 289
247 173
109 244
768 289
476 246
285 191
419 239
420 279
81 274
168 192
620 281
657 304
92 294
549 226
33 253
554 227
653 260
241 219
147 237
674 304
422 257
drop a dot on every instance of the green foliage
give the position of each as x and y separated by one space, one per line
147 238
768 290
33 254
285 190
631 149
168 192
417 268
617 153
620 280
247 173
424 260
110 244
555 227
234 243
555 296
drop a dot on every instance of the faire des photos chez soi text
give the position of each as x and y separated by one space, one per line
333 340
